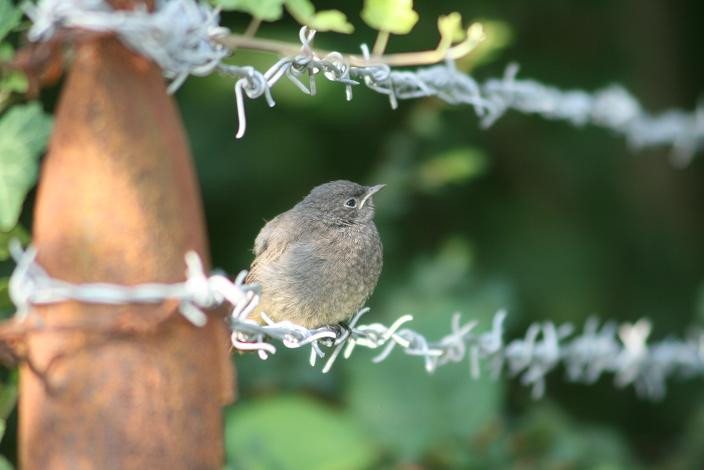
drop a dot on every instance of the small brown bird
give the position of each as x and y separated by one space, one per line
319 262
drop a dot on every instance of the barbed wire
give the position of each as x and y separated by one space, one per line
181 36
598 349
178 35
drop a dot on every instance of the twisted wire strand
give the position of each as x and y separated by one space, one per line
180 36
600 348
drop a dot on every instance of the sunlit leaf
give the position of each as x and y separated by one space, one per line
24 131
10 17
394 16
450 27
292 432
328 20
497 36
267 10
331 20
302 10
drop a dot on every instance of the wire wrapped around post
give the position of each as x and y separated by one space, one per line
118 202
600 348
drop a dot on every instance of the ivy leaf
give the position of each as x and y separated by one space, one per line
393 16
9 17
327 20
331 20
24 131
266 10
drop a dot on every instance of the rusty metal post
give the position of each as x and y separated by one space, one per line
118 202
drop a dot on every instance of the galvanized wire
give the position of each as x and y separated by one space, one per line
587 355
178 35
181 37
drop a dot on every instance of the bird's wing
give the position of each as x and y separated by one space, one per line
274 238
262 240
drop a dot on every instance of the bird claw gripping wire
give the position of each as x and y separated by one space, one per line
622 351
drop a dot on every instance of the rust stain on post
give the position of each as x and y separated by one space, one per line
118 202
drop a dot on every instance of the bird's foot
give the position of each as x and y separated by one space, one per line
342 331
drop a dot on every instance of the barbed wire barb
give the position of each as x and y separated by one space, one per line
184 38
622 351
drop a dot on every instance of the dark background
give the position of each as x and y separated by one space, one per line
549 221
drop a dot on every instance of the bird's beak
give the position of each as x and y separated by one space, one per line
372 190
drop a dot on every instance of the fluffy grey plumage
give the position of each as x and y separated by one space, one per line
319 262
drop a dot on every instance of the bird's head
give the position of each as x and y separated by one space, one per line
342 202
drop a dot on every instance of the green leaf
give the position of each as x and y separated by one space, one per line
328 20
394 16
10 17
7 52
455 166
8 400
450 27
266 10
405 409
5 464
24 131
331 20
17 232
292 432
411 412
302 10
15 81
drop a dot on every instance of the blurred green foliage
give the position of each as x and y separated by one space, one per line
302 10
24 131
339 442
546 220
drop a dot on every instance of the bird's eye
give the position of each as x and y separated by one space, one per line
351 202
